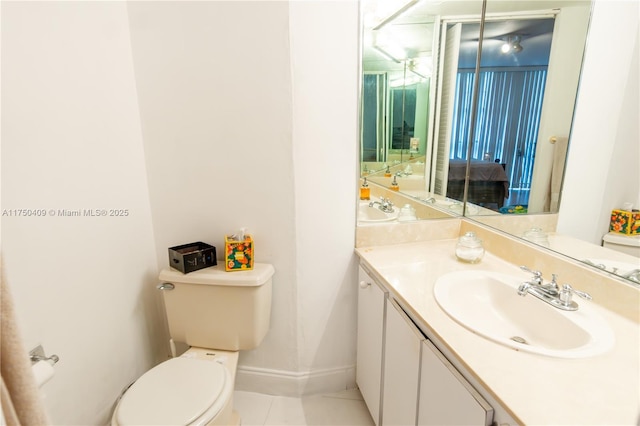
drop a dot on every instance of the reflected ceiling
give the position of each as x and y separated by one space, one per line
413 30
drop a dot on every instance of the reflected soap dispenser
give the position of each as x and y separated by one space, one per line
394 185
387 172
365 191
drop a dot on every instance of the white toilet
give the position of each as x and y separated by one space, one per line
216 313
622 243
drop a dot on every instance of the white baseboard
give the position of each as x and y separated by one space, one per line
296 384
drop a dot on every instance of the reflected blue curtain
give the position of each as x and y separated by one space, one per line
509 109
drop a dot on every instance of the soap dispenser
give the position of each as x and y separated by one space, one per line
387 172
394 185
469 248
365 191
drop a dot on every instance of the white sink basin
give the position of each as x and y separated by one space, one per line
488 304
374 214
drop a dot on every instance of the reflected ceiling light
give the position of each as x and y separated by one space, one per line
516 44
386 46
420 67
512 45
396 55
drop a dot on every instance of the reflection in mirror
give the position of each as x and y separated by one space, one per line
400 106
529 74
512 83
536 188
531 61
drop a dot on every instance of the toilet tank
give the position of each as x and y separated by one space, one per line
214 309
622 243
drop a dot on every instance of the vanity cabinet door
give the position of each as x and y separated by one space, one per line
371 307
401 368
446 398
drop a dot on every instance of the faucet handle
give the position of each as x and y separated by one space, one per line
567 291
554 283
537 275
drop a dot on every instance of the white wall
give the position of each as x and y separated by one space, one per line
198 126
324 52
602 170
71 139
215 105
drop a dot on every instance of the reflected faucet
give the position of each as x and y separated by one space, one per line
597 265
633 275
384 204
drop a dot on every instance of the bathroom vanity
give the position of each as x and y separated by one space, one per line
413 381
418 365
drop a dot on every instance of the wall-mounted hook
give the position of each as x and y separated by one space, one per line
37 354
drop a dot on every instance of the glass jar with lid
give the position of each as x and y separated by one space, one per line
469 248
407 213
537 236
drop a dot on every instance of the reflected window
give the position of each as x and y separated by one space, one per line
403 106
510 95
373 125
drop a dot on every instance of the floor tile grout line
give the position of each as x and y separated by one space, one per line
266 417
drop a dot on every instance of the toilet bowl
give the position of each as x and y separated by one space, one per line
217 314
195 388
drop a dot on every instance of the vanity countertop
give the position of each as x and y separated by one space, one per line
535 389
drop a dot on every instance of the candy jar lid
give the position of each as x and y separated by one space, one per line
470 239
408 208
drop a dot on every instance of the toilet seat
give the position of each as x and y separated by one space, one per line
180 391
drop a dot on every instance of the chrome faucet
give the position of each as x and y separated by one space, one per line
551 293
550 289
384 204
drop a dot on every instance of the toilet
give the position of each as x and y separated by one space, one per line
217 314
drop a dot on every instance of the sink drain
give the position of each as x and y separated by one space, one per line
519 340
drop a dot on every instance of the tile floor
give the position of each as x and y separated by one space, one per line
342 408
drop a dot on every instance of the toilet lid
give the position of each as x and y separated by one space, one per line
175 392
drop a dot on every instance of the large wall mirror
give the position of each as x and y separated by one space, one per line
419 65
406 46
